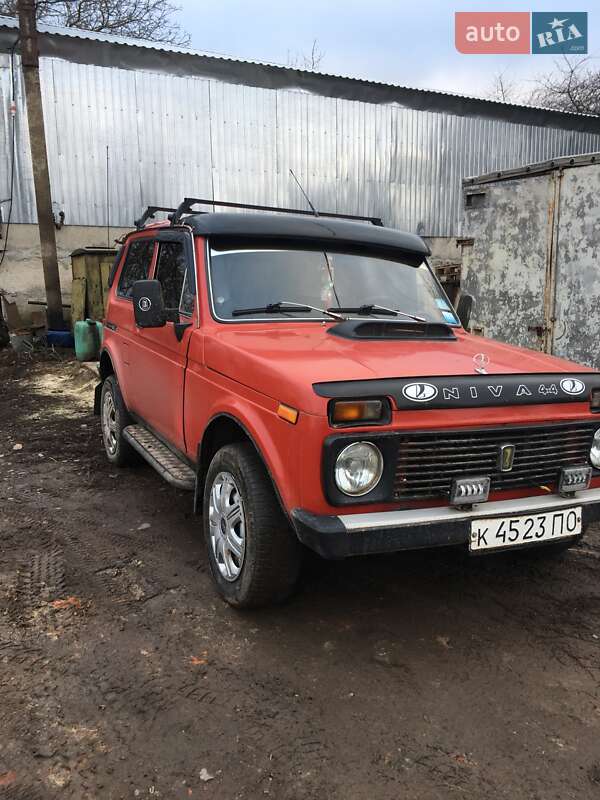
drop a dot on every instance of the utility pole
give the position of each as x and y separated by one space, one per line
41 177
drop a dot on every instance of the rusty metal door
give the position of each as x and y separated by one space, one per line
508 261
576 291
532 261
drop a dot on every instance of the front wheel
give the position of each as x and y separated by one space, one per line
254 555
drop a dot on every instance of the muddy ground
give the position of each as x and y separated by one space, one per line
427 675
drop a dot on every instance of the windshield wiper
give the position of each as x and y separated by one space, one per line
372 308
284 306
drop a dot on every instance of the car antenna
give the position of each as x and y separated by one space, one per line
306 197
316 213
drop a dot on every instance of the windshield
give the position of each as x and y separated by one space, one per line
265 281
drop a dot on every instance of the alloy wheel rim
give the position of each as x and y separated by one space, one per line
109 424
227 525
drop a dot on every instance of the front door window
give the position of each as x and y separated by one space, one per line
173 276
136 267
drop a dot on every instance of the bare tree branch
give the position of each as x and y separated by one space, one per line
504 89
140 19
573 85
310 60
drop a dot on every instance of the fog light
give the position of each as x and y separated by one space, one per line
467 491
574 479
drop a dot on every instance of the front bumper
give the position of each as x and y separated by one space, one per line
413 529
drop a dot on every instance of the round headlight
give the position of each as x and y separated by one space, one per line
358 468
595 450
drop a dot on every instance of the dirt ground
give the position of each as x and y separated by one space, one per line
427 675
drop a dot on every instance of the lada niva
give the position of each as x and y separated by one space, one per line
308 379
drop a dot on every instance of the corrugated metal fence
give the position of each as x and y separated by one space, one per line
171 136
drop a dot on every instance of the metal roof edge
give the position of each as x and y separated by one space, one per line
537 168
109 50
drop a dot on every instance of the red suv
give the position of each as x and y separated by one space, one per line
308 379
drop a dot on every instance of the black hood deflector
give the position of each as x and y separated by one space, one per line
374 329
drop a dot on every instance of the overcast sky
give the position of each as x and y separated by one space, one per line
406 43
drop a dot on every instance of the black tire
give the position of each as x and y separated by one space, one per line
272 555
120 452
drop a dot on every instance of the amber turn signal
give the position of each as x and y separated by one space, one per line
348 412
287 413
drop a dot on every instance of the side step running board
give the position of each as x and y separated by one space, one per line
166 463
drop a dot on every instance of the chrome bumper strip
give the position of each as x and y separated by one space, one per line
425 516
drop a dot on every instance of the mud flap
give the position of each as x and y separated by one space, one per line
199 487
198 499
97 398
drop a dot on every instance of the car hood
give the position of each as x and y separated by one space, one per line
285 361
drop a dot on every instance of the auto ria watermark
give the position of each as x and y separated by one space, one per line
521 32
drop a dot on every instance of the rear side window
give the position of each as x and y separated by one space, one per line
137 265
172 274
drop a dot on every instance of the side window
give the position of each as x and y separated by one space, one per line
137 265
172 274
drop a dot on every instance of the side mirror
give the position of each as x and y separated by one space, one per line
463 309
148 304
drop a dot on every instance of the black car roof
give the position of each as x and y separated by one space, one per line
320 230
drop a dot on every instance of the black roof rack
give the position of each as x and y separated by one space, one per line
186 207
149 214
293 224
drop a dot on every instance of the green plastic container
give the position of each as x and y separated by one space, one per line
88 338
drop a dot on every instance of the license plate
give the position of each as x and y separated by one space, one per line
494 532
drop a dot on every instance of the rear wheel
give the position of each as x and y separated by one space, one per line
113 419
254 555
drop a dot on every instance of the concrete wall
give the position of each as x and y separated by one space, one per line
446 260
444 250
21 274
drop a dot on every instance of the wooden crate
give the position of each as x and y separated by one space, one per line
90 268
448 273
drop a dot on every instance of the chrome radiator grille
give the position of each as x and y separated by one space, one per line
428 461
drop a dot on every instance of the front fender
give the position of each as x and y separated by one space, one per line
118 367
275 441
